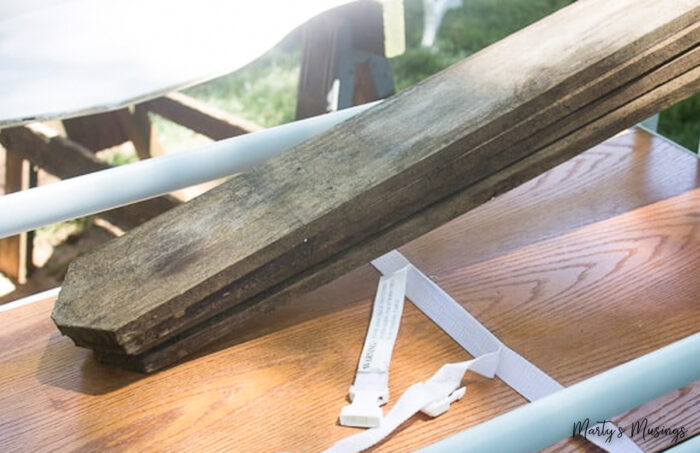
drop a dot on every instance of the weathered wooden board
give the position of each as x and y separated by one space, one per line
235 318
325 199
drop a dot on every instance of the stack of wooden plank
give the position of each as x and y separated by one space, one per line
426 155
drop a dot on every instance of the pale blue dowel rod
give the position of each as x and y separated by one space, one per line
107 189
651 123
691 445
544 422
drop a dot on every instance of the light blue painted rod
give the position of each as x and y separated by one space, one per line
689 446
544 422
107 189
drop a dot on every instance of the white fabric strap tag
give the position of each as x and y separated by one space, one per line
371 387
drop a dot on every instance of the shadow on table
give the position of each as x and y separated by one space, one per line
64 365
69 367
353 287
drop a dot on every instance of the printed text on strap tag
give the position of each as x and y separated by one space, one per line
371 387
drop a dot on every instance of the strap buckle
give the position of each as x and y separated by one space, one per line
440 406
364 409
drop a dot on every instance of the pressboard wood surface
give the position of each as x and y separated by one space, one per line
576 282
283 224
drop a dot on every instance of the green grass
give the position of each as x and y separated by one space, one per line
681 123
121 157
463 32
172 136
265 91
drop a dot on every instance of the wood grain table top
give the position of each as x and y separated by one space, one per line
590 265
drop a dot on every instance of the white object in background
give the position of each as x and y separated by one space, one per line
102 190
433 13
371 387
63 58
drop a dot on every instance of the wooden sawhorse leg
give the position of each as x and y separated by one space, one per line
343 60
16 251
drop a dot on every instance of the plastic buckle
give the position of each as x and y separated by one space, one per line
363 410
440 406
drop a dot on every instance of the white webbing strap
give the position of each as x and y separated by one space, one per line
436 391
434 396
371 387
468 332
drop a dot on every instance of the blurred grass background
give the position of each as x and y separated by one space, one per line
265 91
